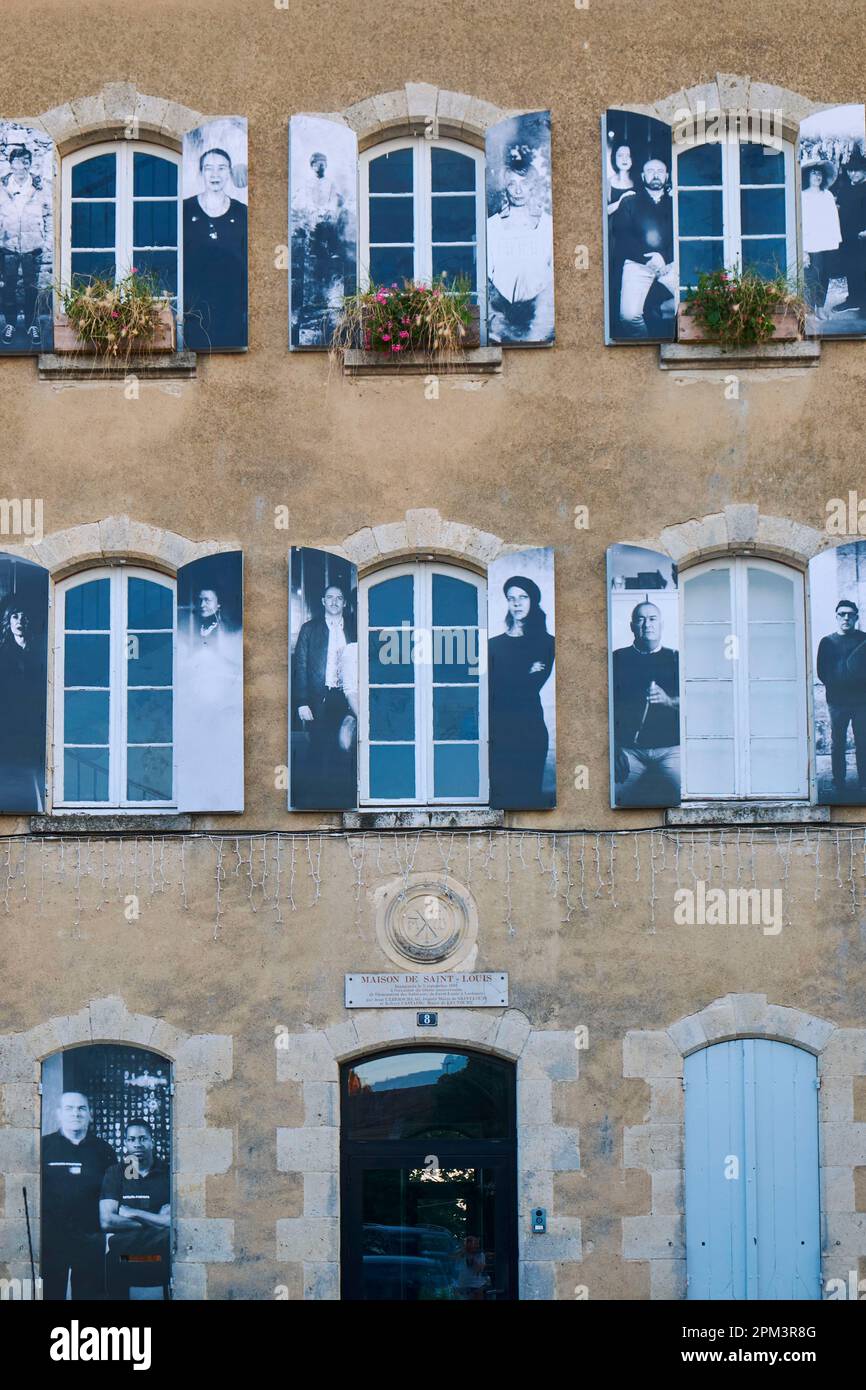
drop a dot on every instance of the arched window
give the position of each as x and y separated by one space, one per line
423 687
744 680
423 213
106 1153
735 205
428 1176
120 210
114 689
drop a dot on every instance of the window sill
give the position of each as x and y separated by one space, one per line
73 366
747 813
674 357
482 361
119 823
419 818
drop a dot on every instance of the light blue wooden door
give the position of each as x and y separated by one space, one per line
751 1153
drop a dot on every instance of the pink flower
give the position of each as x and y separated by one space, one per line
386 337
396 347
404 333
405 320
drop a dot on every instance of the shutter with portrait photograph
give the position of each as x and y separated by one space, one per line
27 158
521 626
520 231
323 681
641 292
23 683
831 172
323 226
837 610
644 675
215 207
209 720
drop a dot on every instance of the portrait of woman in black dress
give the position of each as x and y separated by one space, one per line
22 726
520 661
215 259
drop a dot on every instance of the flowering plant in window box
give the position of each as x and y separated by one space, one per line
740 309
115 319
415 320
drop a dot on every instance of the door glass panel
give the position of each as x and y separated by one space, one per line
761 164
430 1233
710 709
95 178
455 769
392 771
430 1095
701 212
771 597
701 166
710 764
391 602
708 597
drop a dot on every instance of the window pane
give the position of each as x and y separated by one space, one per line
149 605
705 652
699 256
708 597
452 172
709 708
762 211
85 774
775 767
95 178
771 596
391 656
454 219
153 177
443 1095
85 716
767 258
392 602
455 770
391 265
88 606
456 654
92 265
392 715
454 261
455 712
149 716
392 219
149 658
162 265
454 602
701 214
93 224
773 709
702 165
761 164
392 173
771 650
86 660
392 771
148 774
155 224
710 766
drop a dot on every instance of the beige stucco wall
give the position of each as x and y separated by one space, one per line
509 456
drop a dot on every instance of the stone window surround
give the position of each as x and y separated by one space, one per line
313 1060
113 540
656 1147
199 1062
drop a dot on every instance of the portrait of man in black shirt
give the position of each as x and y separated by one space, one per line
135 1212
841 669
646 715
74 1163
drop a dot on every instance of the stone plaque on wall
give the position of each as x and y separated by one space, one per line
482 989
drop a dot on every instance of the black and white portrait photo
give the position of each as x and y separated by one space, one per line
323 685
832 175
215 198
209 721
23 683
837 597
26 238
106 1174
640 269
521 620
643 643
520 230
323 183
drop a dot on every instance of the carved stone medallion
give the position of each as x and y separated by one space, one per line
426 921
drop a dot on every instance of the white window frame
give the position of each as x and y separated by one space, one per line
731 189
422 198
124 150
422 573
118 688
738 628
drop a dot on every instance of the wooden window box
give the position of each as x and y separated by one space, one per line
786 327
164 338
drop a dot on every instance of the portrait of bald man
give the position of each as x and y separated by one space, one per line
646 714
74 1162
